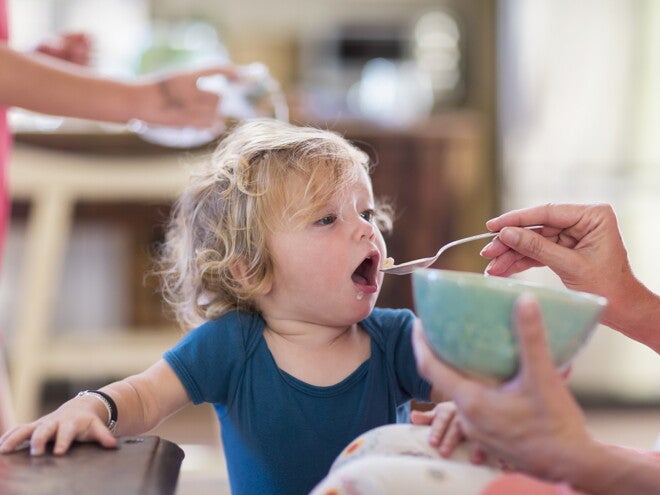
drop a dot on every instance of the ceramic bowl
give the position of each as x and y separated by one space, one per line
467 318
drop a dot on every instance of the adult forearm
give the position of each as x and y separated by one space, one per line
609 470
39 83
636 314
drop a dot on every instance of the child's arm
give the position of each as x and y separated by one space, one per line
143 401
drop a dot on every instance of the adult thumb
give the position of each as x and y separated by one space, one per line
536 362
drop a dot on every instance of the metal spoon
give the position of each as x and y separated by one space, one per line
410 266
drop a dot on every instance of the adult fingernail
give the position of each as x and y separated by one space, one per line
489 267
486 247
510 236
527 306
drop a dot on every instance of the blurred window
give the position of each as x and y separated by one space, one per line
119 28
579 115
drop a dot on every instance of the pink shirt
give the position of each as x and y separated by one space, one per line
5 140
520 484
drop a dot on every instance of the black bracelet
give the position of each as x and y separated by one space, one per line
108 403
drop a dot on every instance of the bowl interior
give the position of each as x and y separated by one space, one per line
467 318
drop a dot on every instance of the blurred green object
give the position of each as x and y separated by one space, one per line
159 57
181 45
468 320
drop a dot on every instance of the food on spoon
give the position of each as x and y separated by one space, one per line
387 263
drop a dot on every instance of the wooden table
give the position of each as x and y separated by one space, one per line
146 465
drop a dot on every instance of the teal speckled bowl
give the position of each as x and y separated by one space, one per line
467 318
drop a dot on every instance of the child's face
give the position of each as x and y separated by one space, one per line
327 270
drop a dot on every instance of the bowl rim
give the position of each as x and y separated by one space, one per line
511 284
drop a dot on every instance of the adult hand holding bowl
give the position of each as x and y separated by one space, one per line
467 320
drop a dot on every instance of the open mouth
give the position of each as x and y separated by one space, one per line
365 273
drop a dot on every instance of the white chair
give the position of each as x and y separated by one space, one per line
6 403
53 182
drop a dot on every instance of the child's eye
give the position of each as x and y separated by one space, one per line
368 215
326 220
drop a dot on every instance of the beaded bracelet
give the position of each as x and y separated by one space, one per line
108 403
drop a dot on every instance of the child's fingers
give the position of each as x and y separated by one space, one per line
92 430
66 433
421 417
14 437
42 434
452 437
101 434
444 417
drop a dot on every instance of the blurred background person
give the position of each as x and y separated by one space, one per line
53 80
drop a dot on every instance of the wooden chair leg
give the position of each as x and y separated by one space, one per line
46 239
6 403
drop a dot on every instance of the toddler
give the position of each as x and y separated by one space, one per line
272 256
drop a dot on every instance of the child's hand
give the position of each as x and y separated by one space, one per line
78 419
446 432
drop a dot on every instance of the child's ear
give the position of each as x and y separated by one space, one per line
240 271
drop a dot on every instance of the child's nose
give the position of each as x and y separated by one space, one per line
367 229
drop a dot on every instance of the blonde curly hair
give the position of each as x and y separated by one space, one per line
235 199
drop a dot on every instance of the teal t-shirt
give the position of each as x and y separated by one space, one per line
280 435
